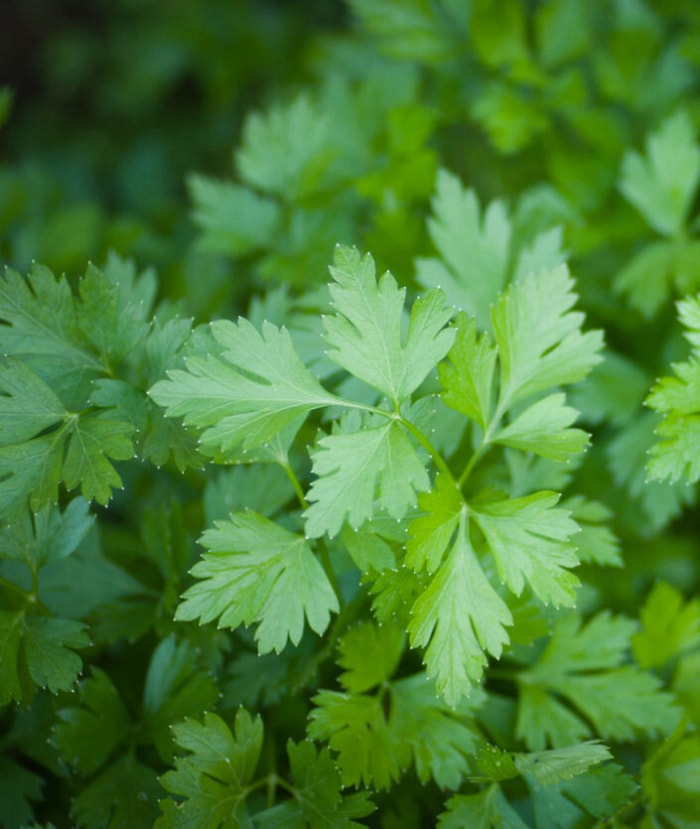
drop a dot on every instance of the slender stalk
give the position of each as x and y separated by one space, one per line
320 543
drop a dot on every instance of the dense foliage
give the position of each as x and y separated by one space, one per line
354 485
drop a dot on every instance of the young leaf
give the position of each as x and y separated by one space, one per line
430 534
256 571
458 618
365 333
467 380
669 627
677 399
559 764
474 251
662 184
539 337
543 428
212 778
243 398
529 538
360 473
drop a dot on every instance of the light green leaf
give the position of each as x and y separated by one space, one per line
543 428
232 220
474 251
459 618
359 473
242 399
259 572
365 335
529 538
661 185
670 627
467 380
430 534
539 337
553 766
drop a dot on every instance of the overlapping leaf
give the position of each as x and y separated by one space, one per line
258 572
243 398
366 337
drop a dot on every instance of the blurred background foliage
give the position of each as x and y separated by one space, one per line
229 144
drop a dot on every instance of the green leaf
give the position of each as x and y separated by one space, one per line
355 728
467 380
543 428
175 688
88 734
123 796
318 802
359 473
242 399
559 764
27 405
458 618
365 335
112 313
669 627
596 542
539 337
370 654
585 667
94 438
430 534
661 185
428 732
232 220
529 539
284 151
670 780
45 536
38 648
488 809
412 29
474 251
41 320
19 787
677 399
212 779
256 571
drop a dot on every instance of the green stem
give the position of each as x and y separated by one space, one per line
320 543
436 457
27 595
